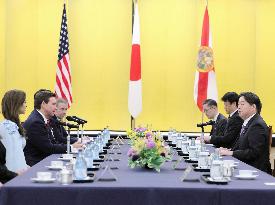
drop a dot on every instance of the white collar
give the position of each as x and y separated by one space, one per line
44 118
230 115
247 120
216 117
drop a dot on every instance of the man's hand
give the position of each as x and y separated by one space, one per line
21 171
207 139
225 152
77 145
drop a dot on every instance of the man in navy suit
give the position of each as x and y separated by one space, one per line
233 126
58 130
252 146
211 111
40 139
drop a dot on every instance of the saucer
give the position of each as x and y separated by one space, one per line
86 180
219 180
246 176
37 180
209 180
54 168
65 159
191 160
94 168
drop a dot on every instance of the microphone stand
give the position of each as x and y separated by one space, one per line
202 139
77 133
82 131
68 141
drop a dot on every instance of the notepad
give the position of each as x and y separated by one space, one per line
270 183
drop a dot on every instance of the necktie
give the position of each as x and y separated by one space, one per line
50 131
242 130
237 142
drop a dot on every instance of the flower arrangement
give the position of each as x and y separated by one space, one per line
147 149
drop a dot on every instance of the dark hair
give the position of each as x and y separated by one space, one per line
210 102
252 98
41 90
42 95
231 97
11 103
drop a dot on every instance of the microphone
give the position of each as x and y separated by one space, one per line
70 118
78 118
211 122
67 124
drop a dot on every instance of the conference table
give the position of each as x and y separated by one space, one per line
138 186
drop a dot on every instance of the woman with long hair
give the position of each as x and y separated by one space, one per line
12 134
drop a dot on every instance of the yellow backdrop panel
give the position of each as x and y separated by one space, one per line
100 46
2 45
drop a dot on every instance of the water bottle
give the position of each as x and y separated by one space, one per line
104 136
193 142
184 137
80 167
108 134
96 149
170 134
100 143
88 154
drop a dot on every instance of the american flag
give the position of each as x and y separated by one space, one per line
63 86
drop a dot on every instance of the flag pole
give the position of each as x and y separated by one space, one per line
133 122
135 98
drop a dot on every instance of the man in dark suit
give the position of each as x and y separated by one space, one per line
58 130
252 146
210 109
233 126
40 139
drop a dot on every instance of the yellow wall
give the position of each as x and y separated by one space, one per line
2 46
100 44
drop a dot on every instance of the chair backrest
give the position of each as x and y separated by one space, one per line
270 131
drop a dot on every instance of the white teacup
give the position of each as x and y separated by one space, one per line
44 175
246 172
67 156
56 164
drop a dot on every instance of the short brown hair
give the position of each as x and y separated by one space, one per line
42 95
11 103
